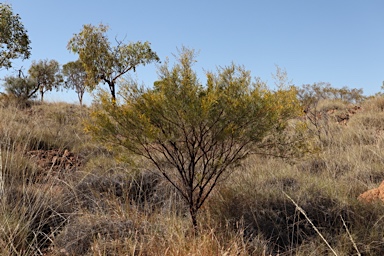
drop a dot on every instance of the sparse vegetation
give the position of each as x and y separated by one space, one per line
194 135
265 178
108 206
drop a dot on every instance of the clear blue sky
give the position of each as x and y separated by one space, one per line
335 41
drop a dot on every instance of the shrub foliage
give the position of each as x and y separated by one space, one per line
194 134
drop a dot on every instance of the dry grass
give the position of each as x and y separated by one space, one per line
328 105
324 184
374 104
110 207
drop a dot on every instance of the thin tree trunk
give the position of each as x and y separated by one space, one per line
193 212
41 88
113 90
81 98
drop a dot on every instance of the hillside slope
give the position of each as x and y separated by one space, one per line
63 194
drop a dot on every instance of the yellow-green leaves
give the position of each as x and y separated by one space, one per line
194 133
230 108
104 62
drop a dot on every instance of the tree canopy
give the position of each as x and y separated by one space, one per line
21 88
194 134
75 75
47 75
104 62
311 94
14 41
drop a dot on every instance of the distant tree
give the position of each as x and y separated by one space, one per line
104 62
75 75
195 135
20 87
349 95
14 41
46 74
311 94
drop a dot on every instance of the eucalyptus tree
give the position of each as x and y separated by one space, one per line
14 41
47 75
104 62
75 78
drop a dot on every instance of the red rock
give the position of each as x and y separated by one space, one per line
373 194
55 160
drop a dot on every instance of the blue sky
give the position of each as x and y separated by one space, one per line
335 41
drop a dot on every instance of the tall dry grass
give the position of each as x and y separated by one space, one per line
111 207
33 208
325 184
105 207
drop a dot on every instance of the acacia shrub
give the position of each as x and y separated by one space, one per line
194 135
